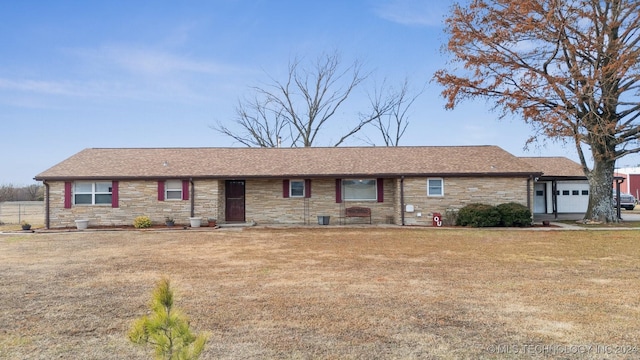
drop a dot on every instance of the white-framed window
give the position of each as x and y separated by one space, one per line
173 190
435 187
92 193
296 188
359 190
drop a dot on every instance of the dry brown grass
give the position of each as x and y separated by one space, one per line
327 292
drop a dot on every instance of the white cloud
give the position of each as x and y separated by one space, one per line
38 86
139 60
413 12
126 72
27 92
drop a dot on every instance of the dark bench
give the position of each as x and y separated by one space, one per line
358 211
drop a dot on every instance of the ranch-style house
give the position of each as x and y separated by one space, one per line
381 185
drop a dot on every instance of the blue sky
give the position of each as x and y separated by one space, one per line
80 74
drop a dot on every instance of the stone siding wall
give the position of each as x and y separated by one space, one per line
265 204
459 192
207 202
135 198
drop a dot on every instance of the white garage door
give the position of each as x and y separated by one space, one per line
573 197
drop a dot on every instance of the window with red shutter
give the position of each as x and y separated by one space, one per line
114 194
185 189
307 188
67 195
160 190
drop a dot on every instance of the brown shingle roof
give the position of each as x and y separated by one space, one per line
556 166
287 162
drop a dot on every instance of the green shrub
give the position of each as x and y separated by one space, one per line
514 214
478 215
142 222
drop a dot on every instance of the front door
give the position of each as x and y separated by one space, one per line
234 200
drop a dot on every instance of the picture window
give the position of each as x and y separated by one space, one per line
359 190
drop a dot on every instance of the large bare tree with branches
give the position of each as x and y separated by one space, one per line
568 67
390 111
294 112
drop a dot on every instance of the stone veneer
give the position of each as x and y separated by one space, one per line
136 197
458 192
265 204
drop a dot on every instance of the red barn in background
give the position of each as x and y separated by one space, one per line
631 184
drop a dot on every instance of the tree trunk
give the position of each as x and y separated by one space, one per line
601 207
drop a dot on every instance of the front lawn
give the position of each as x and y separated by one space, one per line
327 292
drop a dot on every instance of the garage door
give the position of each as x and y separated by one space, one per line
573 197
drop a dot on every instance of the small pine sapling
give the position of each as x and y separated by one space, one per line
167 328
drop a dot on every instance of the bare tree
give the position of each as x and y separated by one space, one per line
296 110
261 124
34 192
10 192
390 107
569 68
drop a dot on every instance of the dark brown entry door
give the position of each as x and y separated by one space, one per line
234 193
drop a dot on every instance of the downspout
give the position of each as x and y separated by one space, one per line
46 205
193 191
402 199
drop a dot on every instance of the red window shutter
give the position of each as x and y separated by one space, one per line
160 190
338 190
285 188
380 184
114 194
185 189
307 188
67 195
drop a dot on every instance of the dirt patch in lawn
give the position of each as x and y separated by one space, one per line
330 293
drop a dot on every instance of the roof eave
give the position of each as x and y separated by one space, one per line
280 176
566 178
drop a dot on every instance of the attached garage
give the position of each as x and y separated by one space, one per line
562 188
573 196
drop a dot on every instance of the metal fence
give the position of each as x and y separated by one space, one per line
14 212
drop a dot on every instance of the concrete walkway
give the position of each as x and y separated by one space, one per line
625 214
538 218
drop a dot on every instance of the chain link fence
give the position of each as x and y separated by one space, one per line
14 212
